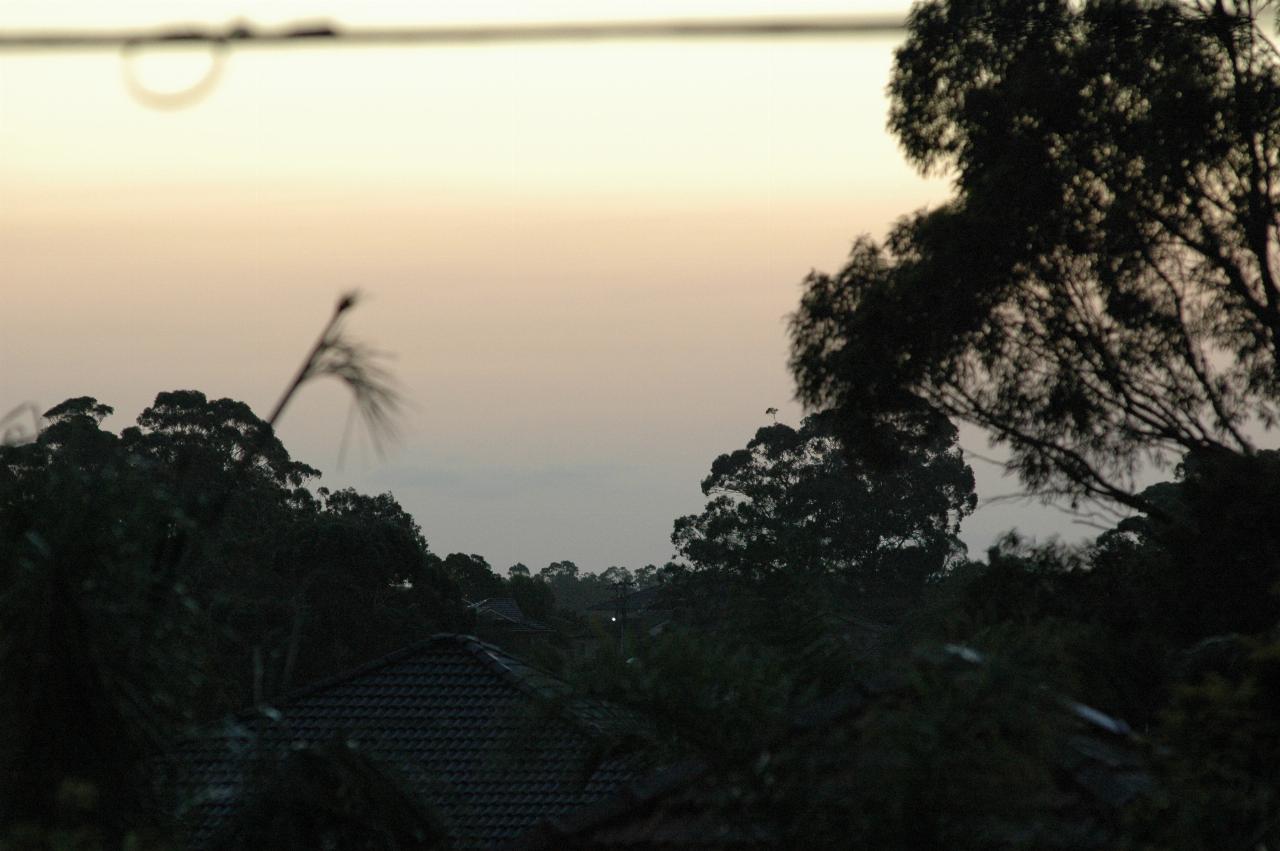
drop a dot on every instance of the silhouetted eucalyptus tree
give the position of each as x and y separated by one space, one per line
172 573
100 656
108 650
794 502
1104 289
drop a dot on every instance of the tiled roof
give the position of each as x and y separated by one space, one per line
456 718
507 612
503 607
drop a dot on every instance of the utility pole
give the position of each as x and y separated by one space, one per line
621 590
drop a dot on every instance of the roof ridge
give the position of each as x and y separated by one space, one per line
397 655
497 660
266 708
453 702
504 616
523 620
564 703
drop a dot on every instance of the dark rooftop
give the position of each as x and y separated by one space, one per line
507 612
459 720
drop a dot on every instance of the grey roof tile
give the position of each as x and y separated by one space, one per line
457 718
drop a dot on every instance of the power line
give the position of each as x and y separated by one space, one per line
130 42
325 33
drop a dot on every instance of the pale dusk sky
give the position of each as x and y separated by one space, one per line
582 256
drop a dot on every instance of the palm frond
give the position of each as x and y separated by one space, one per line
361 368
372 386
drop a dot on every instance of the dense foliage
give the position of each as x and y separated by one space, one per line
174 573
1102 290
183 569
794 503
1101 293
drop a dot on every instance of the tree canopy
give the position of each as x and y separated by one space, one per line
174 573
1102 291
794 502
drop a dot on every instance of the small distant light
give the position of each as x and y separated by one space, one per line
613 619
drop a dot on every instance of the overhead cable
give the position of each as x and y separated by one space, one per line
327 33
323 33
